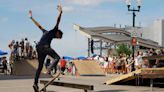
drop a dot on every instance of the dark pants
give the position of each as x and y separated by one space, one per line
63 69
43 51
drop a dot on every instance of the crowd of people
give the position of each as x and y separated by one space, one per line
123 63
22 49
120 64
62 65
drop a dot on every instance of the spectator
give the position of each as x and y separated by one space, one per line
130 61
11 47
145 63
4 62
118 65
124 62
34 54
30 52
22 48
1 65
27 46
112 65
0 60
138 60
16 51
70 66
106 65
62 65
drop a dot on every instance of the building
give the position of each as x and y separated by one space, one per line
155 32
109 37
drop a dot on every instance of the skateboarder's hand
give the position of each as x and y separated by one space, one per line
59 8
30 13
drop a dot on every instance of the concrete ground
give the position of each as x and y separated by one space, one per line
24 84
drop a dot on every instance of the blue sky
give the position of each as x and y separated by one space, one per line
15 23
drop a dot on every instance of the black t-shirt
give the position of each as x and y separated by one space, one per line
47 37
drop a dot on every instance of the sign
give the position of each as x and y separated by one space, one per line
134 41
135 32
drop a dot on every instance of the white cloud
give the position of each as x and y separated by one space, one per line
68 8
85 2
89 2
25 5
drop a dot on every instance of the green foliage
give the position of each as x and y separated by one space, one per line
123 48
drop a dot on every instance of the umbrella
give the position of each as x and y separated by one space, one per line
2 52
81 57
68 58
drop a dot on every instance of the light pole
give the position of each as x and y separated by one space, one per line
128 2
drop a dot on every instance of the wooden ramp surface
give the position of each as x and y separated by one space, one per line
26 68
132 75
88 67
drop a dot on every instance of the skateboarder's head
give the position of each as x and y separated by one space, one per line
58 34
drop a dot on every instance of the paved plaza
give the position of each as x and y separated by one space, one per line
24 84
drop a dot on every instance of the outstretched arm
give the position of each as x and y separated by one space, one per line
35 22
59 7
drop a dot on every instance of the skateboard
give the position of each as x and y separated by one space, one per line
54 77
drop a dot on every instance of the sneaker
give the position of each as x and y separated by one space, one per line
62 73
58 78
36 88
58 72
47 72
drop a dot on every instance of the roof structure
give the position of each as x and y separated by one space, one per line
114 35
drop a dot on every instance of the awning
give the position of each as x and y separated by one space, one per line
3 53
113 35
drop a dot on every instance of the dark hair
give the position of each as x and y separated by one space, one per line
26 39
60 32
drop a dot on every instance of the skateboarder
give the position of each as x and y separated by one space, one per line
43 47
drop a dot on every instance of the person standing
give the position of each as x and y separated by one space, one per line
16 51
43 47
63 63
11 47
27 47
4 62
22 48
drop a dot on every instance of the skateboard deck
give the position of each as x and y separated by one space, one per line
54 77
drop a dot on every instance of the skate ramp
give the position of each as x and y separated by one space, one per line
27 68
147 72
123 78
88 68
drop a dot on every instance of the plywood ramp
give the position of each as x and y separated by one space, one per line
26 68
123 78
88 67
131 76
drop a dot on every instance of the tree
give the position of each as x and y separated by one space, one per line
123 48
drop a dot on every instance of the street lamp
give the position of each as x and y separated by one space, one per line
128 2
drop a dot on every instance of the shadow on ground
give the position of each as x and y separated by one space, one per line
111 91
13 77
